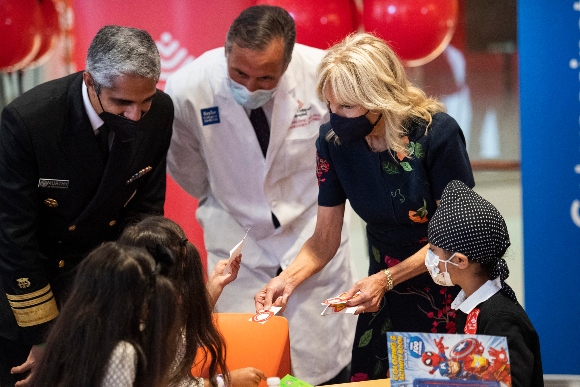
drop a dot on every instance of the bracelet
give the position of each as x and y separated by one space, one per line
389 279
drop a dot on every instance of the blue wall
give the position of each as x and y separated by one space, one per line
549 53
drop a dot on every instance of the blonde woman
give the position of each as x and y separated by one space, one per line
390 150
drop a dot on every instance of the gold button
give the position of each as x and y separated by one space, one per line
51 203
112 222
61 263
72 227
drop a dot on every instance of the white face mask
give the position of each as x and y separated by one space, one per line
249 99
432 263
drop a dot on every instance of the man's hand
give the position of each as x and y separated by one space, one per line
246 377
30 364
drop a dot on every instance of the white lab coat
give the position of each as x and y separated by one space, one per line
221 163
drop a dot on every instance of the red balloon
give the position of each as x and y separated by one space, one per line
20 37
319 23
49 30
417 30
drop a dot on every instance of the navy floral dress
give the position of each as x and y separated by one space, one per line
396 196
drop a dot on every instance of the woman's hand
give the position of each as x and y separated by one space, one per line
275 293
316 252
246 377
372 289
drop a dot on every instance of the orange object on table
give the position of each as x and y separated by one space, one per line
251 344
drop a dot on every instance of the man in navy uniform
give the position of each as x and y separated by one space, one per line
80 157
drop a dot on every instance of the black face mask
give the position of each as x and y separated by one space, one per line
123 128
350 130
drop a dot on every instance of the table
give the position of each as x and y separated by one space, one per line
366 383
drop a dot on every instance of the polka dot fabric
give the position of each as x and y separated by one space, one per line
468 224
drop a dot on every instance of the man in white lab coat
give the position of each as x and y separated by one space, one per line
245 180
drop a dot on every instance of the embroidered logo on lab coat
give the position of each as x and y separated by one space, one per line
210 116
304 116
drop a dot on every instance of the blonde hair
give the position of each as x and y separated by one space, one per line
363 70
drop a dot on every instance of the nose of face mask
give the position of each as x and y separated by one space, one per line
431 261
249 99
124 128
351 129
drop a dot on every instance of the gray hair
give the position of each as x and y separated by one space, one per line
117 50
257 26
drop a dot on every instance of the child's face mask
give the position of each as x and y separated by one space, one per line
432 263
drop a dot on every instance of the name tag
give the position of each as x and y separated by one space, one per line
210 116
52 183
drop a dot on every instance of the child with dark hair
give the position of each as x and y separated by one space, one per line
468 238
197 300
118 326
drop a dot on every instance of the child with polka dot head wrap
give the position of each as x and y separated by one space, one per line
468 238
468 224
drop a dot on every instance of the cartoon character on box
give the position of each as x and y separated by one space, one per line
476 364
454 368
466 347
499 368
435 360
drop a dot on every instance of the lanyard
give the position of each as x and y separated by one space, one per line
471 323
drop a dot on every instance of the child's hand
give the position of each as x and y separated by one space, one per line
246 377
217 281
217 274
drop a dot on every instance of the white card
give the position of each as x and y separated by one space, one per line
337 305
237 250
262 317
338 308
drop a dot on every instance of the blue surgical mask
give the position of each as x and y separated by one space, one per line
350 130
249 99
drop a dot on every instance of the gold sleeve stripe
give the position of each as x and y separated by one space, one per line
35 301
27 296
33 308
37 314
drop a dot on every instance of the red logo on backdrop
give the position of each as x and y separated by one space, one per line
173 56
471 323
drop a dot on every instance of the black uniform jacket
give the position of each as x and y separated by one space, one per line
58 199
500 316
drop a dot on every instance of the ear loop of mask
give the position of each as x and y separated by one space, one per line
378 119
442 278
98 96
104 111
449 261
